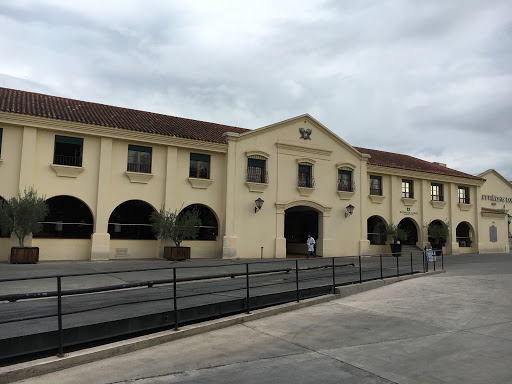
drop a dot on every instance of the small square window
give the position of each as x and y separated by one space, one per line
199 166
306 176
463 193
256 170
345 180
68 151
139 159
436 192
376 185
407 188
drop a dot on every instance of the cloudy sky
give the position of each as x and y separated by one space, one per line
431 79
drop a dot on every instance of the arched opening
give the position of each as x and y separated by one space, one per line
437 223
464 234
131 220
68 218
410 227
209 228
299 221
376 228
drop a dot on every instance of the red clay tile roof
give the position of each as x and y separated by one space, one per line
395 160
52 107
494 211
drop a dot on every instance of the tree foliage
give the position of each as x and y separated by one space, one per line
176 226
439 231
23 214
396 232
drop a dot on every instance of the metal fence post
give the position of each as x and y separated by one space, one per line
247 304
333 277
262 252
397 268
360 271
412 269
424 260
297 278
59 316
435 257
175 299
442 260
381 276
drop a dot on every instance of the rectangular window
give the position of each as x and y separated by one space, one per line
1 134
376 185
463 193
139 159
68 151
256 170
407 188
199 166
306 176
436 192
345 180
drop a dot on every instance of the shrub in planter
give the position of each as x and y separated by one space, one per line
178 227
439 231
397 233
22 215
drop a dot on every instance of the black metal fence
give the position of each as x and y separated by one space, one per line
160 298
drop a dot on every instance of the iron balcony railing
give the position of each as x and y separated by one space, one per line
73 161
346 186
306 181
137 167
257 175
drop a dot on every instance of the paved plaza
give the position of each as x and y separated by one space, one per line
447 328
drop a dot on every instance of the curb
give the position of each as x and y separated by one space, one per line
46 365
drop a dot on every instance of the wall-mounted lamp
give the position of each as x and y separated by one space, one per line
350 210
259 203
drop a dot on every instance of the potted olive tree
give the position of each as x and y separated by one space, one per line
178 227
22 215
397 233
438 231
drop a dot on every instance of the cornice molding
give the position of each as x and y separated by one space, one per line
408 202
377 199
257 153
346 166
422 175
256 187
66 170
465 207
139 177
345 195
100 131
438 204
200 183
291 148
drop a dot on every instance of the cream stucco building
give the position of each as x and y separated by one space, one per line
104 169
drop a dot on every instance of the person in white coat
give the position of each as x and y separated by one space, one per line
311 246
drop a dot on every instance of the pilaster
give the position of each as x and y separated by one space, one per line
100 248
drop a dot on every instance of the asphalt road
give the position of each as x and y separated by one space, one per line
450 328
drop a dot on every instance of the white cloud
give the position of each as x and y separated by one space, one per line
430 79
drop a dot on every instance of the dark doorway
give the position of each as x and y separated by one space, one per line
298 223
131 220
68 218
209 228
409 226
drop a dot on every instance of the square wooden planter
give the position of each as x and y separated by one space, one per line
177 253
24 255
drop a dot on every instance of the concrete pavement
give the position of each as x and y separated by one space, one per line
452 327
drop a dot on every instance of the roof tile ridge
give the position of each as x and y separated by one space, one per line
93 103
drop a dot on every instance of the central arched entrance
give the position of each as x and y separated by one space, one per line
410 227
299 221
